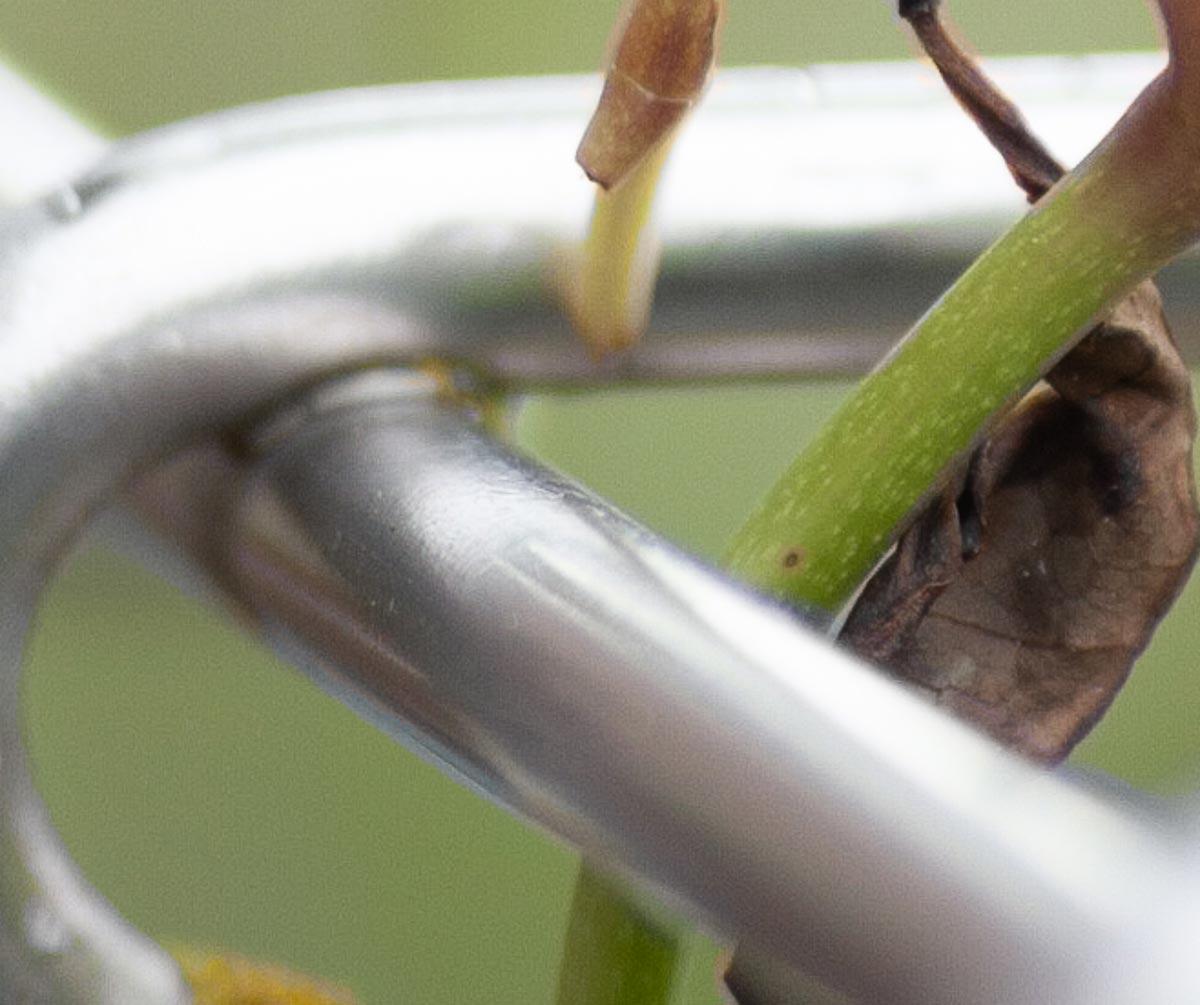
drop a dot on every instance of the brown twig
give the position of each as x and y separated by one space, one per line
1032 166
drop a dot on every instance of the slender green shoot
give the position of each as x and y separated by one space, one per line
662 56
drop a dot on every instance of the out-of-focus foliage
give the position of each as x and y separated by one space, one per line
136 63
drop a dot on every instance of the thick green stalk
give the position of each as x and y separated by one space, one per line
1130 208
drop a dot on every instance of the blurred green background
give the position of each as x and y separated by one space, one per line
212 793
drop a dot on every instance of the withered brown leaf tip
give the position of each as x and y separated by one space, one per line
663 53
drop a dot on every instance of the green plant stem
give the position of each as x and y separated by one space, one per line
610 292
1130 208
614 953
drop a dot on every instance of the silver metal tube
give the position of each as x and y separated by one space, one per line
203 274
60 941
667 722
426 220
45 145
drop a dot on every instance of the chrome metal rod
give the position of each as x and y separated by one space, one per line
667 722
203 274
809 217
44 145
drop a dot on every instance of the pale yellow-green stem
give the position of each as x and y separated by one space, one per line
610 286
662 54
1131 207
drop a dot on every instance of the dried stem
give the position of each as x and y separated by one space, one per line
1032 166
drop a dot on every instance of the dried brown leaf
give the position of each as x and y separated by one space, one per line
1022 593
662 55
1087 527
1020 598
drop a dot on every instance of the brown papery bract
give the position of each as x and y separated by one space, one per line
1021 602
662 55
1020 597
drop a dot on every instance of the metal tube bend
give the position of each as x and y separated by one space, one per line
202 275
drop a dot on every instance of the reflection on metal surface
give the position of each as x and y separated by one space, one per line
522 632
667 722
44 145
365 219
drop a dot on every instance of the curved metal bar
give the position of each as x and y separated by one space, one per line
429 219
48 147
667 722
203 274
